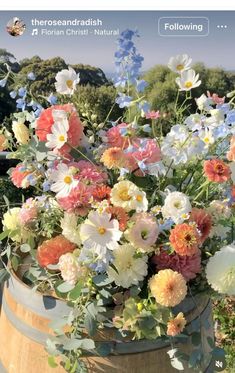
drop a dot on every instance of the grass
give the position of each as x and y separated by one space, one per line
224 318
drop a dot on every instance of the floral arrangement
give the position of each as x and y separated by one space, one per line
126 222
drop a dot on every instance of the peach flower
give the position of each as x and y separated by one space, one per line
176 325
185 239
216 170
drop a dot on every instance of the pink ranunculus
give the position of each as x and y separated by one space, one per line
89 172
46 121
188 266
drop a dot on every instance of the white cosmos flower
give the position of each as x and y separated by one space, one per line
188 80
206 135
63 180
204 102
180 63
99 232
66 81
58 136
220 270
130 270
177 207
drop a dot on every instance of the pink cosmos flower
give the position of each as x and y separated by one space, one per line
150 153
188 266
152 115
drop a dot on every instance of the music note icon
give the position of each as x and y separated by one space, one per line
35 32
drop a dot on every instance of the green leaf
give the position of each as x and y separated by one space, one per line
75 293
4 234
15 263
51 362
134 291
72 344
88 344
65 287
211 342
4 275
90 324
101 280
196 338
25 248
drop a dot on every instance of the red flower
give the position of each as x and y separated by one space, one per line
216 170
50 251
75 132
185 239
203 221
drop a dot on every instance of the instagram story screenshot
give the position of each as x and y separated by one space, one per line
117 191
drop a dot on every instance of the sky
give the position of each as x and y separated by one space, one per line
215 50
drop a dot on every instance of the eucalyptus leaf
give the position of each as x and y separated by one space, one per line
90 324
88 344
25 248
101 280
72 344
74 294
4 275
15 263
65 287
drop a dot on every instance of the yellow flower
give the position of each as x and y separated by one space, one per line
176 325
11 221
21 132
127 195
168 287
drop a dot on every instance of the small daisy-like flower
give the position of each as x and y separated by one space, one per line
66 81
176 325
168 287
58 136
113 158
188 80
180 63
216 170
63 180
185 239
120 214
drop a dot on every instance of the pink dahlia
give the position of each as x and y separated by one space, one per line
188 266
78 200
75 132
18 176
89 172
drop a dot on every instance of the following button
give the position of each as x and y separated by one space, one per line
183 26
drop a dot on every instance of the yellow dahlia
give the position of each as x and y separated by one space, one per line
168 287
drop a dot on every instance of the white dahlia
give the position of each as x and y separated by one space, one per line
220 270
70 269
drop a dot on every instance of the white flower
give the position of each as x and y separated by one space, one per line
99 232
219 210
70 269
204 102
220 270
58 136
195 122
21 132
129 269
63 180
180 63
207 136
176 207
219 231
66 81
71 228
127 195
188 80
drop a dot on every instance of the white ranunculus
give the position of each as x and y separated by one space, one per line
130 270
66 81
188 80
71 271
180 63
176 207
220 270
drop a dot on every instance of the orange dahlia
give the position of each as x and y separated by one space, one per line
119 214
50 251
185 239
203 221
101 192
168 287
176 325
113 158
216 170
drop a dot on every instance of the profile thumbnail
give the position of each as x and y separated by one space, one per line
16 27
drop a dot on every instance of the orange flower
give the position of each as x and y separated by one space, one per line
203 221
113 158
231 152
185 239
51 250
101 192
168 287
3 142
176 325
216 170
120 214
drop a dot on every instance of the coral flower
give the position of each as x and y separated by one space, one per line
89 172
203 221
176 325
78 200
45 122
101 192
18 176
119 214
216 170
115 138
168 287
50 251
113 158
188 266
185 239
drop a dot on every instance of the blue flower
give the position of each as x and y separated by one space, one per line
144 106
13 94
31 76
32 180
52 99
46 186
22 92
142 166
20 104
3 82
123 100
141 85
146 128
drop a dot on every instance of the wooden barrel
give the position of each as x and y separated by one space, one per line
24 329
